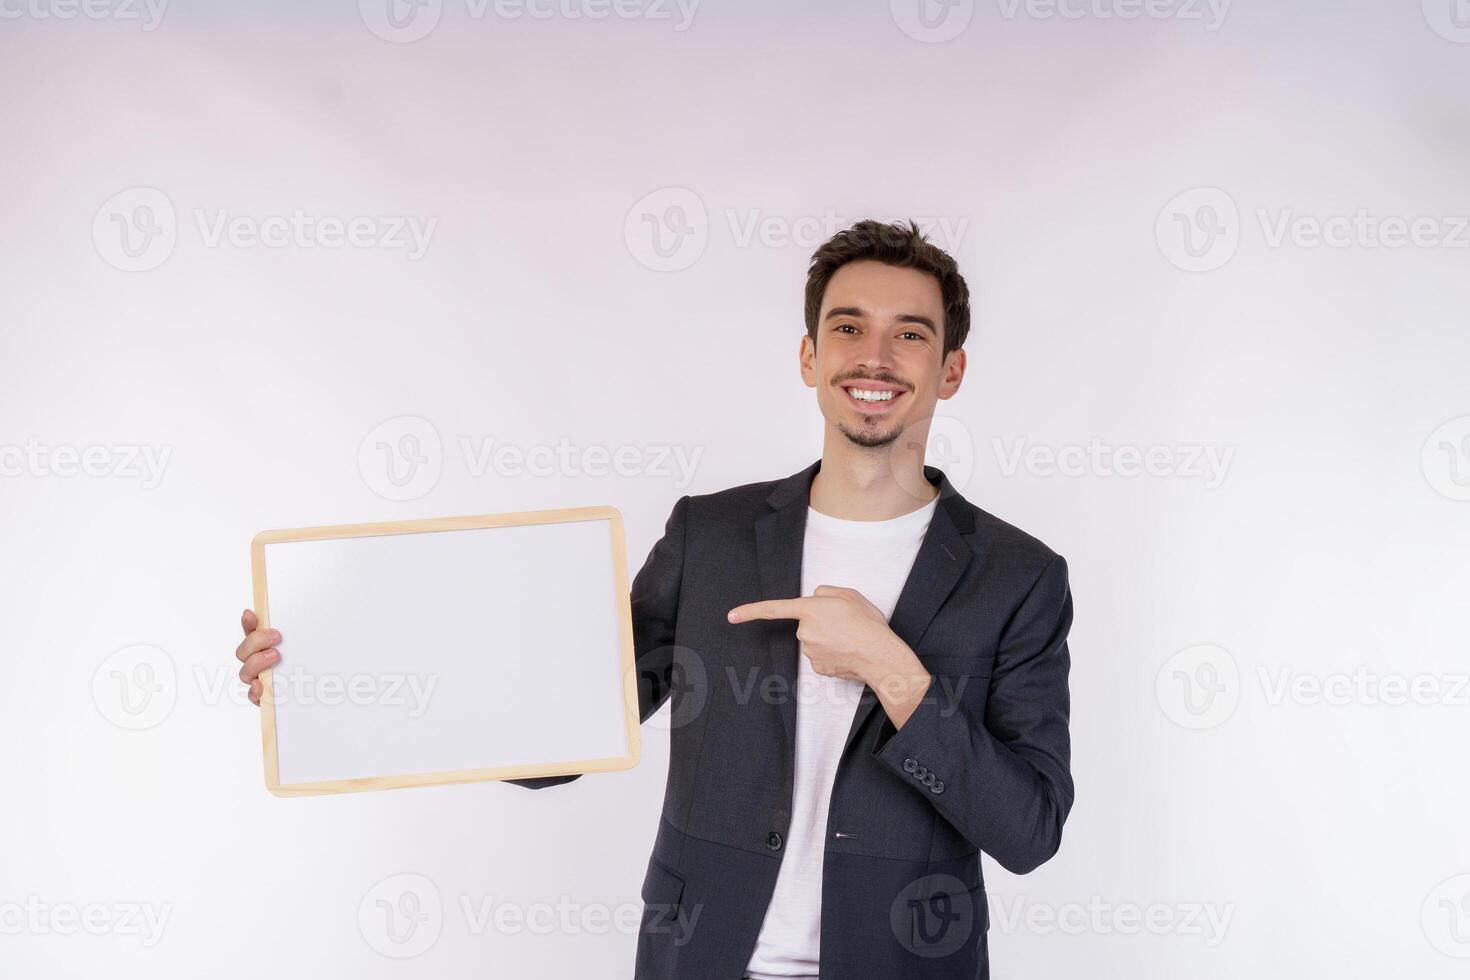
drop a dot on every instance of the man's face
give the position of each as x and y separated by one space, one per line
876 364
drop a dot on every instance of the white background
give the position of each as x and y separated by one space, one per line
1061 159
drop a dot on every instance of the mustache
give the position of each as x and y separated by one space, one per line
883 378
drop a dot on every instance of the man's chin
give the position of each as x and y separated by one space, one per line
871 437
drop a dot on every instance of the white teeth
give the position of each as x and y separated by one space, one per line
865 395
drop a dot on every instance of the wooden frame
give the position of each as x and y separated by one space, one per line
623 614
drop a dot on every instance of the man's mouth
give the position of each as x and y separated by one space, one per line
872 397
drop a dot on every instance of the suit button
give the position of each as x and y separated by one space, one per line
923 771
929 779
773 841
909 765
938 787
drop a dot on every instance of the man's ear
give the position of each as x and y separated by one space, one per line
952 373
807 356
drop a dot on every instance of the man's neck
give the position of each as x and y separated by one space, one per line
859 484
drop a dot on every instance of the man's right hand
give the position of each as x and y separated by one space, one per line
256 652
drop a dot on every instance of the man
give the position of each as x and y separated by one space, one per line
867 673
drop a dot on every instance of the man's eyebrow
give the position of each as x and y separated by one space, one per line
922 321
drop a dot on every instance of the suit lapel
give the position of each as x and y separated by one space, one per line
942 558
778 540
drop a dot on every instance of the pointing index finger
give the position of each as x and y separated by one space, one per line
768 609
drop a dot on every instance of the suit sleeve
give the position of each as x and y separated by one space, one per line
1004 784
654 598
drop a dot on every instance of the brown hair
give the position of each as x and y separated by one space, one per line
897 245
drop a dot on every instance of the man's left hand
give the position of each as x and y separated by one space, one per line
845 635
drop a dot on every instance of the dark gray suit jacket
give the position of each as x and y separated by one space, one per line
981 765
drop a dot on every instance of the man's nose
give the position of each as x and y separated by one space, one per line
876 352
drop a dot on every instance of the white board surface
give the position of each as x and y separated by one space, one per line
444 655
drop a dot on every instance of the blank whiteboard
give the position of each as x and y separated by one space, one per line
448 650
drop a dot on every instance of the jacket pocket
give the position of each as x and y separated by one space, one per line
663 895
661 884
948 918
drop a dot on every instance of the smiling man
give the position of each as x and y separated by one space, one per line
867 673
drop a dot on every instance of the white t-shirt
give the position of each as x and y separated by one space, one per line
873 557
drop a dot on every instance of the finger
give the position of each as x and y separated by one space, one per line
257 662
830 590
256 641
248 622
256 688
768 609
